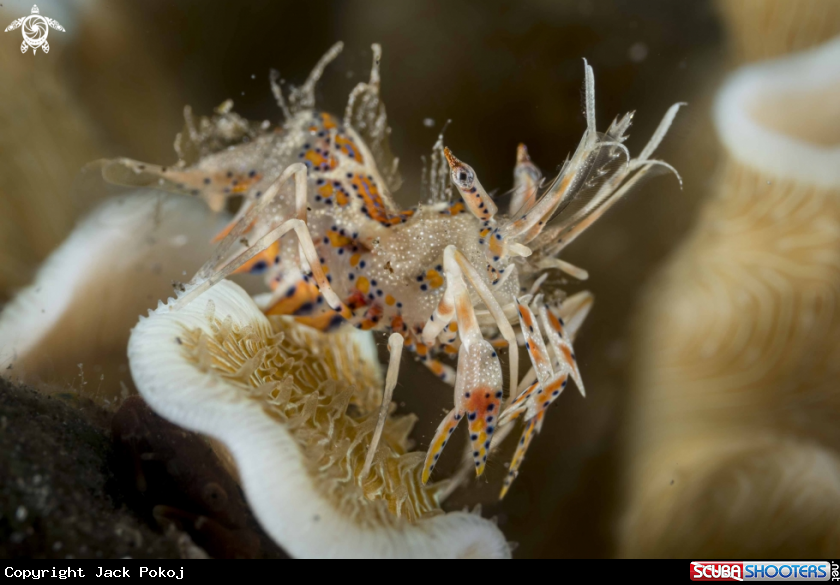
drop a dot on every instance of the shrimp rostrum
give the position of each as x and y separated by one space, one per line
453 278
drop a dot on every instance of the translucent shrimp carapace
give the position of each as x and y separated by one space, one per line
454 277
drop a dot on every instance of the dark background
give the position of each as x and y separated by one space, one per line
503 72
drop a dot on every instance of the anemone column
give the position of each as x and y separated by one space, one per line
734 440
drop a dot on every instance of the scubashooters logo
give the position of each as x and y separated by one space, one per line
35 29
762 571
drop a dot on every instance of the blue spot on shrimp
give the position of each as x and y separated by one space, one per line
318 221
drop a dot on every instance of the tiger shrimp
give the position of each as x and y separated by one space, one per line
447 278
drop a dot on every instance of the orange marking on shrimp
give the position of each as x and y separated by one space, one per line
356 300
525 314
441 370
326 190
442 434
464 310
397 324
355 184
555 323
472 193
337 240
242 183
298 295
262 261
517 226
346 313
327 320
496 246
371 318
535 344
319 161
519 455
328 121
515 414
374 204
552 391
539 357
567 353
363 284
349 148
455 208
525 394
434 278
482 407
373 201
526 177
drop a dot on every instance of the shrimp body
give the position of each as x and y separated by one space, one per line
385 263
440 277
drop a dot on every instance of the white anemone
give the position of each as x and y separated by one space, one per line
296 409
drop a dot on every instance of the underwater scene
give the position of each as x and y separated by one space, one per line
379 279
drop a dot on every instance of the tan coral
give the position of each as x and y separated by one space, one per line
296 409
735 446
76 105
69 328
762 29
46 138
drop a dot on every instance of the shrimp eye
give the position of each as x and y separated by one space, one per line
463 177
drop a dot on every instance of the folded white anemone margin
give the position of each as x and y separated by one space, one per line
295 409
68 330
